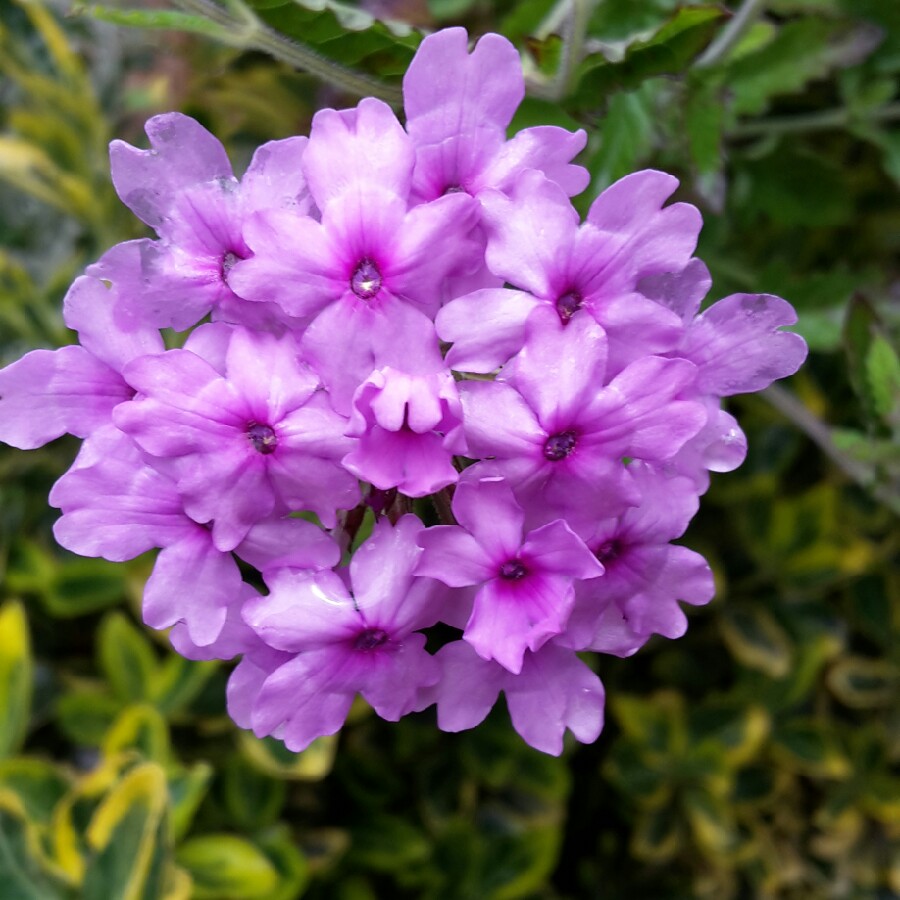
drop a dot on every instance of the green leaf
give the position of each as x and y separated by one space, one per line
280 847
811 749
67 585
271 757
178 681
668 52
170 20
187 788
864 683
626 136
85 715
756 639
139 727
38 784
862 329
449 9
22 875
126 836
226 867
704 122
800 51
126 658
388 844
711 822
16 677
253 800
657 835
883 377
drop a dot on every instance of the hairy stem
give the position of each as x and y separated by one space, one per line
250 32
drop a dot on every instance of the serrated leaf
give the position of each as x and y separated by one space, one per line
756 639
16 677
226 867
126 658
800 51
668 51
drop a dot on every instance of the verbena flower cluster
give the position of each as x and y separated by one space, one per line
392 327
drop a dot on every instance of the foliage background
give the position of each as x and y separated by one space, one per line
756 757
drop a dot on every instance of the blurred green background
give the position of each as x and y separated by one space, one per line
757 756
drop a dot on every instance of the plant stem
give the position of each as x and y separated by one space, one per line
817 121
820 434
730 34
257 35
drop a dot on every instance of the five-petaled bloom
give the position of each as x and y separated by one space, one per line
416 390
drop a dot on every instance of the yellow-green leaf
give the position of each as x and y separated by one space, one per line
16 677
226 867
756 639
126 835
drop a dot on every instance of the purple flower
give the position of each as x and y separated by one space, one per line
370 273
260 440
553 692
536 244
558 433
73 390
458 108
359 636
526 582
184 188
408 427
645 575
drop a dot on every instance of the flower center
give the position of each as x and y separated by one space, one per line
262 437
227 264
513 570
366 280
454 189
609 551
559 446
371 639
567 305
